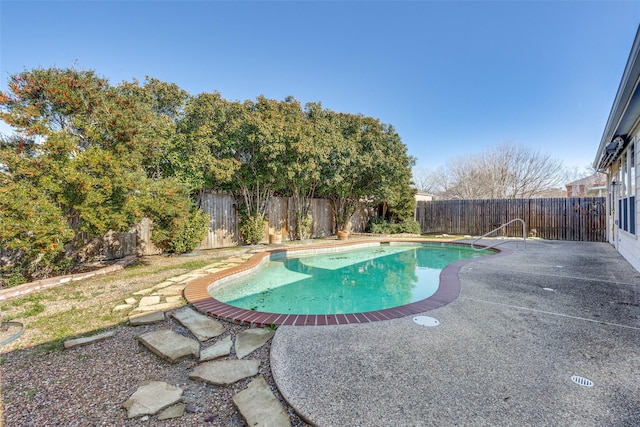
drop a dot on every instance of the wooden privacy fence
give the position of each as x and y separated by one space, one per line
223 227
281 214
579 219
575 218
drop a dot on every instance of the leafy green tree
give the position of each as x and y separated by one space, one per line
201 156
306 137
368 164
258 146
395 192
87 149
33 228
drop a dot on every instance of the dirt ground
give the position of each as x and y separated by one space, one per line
42 384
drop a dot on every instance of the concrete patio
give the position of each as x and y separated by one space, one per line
503 354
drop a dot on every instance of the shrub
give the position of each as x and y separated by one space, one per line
189 232
410 226
12 278
382 226
252 229
378 226
305 226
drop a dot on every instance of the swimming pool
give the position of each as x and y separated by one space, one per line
349 283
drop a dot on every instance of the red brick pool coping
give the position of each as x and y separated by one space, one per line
197 293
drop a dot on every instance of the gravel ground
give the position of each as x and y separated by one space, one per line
86 386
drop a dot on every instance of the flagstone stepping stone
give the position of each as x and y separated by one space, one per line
147 301
156 307
174 299
77 342
143 291
163 285
251 339
170 345
259 407
181 278
131 301
175 411
121 307
219 349
225 372
200 325
152 397
147 318
171 290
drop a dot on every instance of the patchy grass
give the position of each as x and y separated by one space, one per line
194 265
24 307
143 270
86 307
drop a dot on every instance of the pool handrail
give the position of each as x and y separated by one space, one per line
524 235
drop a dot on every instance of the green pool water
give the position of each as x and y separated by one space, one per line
352 281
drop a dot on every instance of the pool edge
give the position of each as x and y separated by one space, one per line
197 295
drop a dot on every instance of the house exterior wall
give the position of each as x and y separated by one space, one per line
578 190
623 184
617 155
423 197
591 186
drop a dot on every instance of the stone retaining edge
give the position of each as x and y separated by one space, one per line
51 282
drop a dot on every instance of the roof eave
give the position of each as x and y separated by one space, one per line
625 111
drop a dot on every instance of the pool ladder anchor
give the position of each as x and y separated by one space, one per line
524 235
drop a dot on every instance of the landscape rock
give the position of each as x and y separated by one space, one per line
251 339
151 397
147 318
77 342
219 349
170 345
163 285
200 325
176 299
259 407
225 372
175 411
156 307
147 301
171 290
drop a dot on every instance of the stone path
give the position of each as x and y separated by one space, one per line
168 294
257 404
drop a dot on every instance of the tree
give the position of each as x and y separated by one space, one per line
87 149
575 173
507 171
308 147
425 180
396 192
202 154
369 164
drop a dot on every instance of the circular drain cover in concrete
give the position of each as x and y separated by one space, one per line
582 381
426 321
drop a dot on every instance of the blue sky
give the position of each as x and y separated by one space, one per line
452 77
